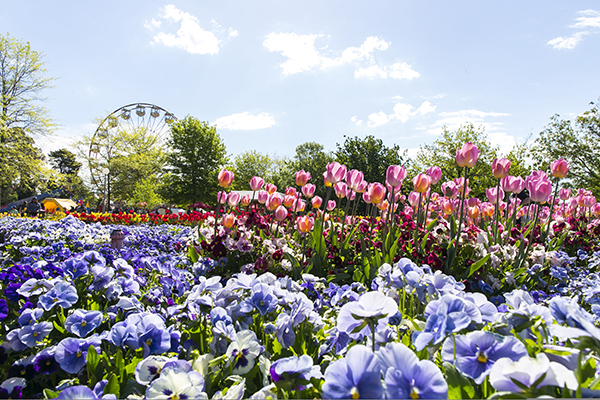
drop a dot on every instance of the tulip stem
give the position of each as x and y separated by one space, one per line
547 233
496 211
456 239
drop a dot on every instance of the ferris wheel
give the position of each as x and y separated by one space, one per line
135 117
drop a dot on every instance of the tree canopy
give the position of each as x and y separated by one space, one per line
370 156
22 80
64 162
196 155
578 142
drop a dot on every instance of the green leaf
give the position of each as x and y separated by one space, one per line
92 358
58 327
112 386
193 254
130 369
459 387
431 224
476 265
588 372
120 364
50 394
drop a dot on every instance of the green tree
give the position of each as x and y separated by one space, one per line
370 156
197 154
576 141
22 80
442 153
251 163
64 162
20 164
311 157
145 191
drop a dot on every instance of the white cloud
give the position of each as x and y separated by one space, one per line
190 36
591 19
588 23
379 118
399 70
303 55
245 121
401 112
357 121
233 33
455 119
569 42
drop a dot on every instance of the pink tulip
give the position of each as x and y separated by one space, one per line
376 192
460 185
256 183
280 213
500 167
589 201
222 197
335 173
559 168
331 205
596 209
291 191
467 156
494 194
361 187
394 175
354 178
413 199
448 206
274 201
512 184
421 183
535 175
308 190
383 205
473 202
564 194
487 209
366 197
271 188
305 223
316 201
473 212
350 194
233 199
449 189
288 200
263 196
225 178
245 200
302 177
435 173
539 190
228 220
340 189
298 205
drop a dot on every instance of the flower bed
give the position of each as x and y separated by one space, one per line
85 320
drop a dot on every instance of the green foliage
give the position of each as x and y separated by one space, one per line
137 156
145 191
197 154
442 153
578 143
20 164
370 156
21 82
252 163
64 162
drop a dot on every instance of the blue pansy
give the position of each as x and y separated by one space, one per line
63 294
82 322
356 376
71 353
406 376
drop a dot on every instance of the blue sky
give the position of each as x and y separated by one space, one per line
274 74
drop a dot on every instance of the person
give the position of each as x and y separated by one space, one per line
23 209
33 208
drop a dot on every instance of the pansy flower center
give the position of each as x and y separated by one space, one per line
35 334
83 323
79 353
149 342
354 393
414 393
482 357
